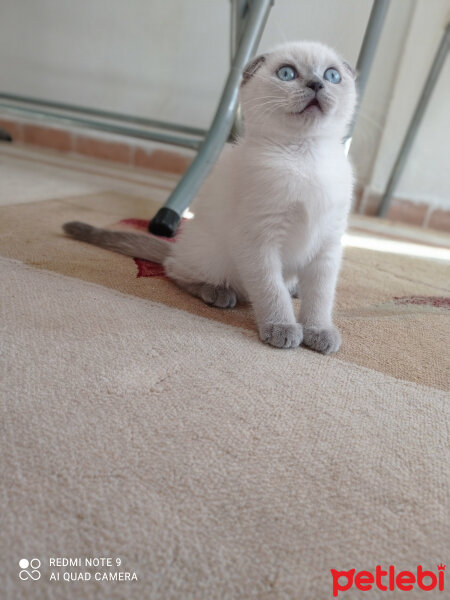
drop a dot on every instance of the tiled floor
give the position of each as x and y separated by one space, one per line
28 175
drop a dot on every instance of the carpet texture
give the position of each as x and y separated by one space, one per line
382 325
139 423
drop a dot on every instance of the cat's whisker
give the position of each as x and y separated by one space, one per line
253 100
268 111
257 105
262 109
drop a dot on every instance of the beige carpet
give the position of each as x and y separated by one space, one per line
139 424
393 310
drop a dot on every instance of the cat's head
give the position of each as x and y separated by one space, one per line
298 89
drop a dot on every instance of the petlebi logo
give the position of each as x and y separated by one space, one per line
388 579
29 569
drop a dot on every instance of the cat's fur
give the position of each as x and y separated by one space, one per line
273 211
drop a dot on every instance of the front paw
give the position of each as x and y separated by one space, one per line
326 341
282 335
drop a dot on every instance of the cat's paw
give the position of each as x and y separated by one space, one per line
326 341
281 335
218 295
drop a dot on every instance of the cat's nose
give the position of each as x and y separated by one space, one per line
315 85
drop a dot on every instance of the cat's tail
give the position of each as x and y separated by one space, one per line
137 245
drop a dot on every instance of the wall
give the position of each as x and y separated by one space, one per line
427 173
168 59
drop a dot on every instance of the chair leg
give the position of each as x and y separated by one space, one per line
239 10
367 53
5 136
433 75
167 219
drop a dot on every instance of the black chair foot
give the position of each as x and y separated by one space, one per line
4 136
165 222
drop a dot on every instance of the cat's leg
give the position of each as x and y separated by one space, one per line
220 296
261 273
190 279
318 285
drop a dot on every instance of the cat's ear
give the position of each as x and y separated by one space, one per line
349 69
252 67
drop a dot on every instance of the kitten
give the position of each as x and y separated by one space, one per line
271 215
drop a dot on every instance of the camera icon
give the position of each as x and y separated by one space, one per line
29 569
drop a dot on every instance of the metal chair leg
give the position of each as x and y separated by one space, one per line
367 52
168 217
422 104
239 9
5 136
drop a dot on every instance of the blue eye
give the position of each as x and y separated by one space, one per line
332 75
287 73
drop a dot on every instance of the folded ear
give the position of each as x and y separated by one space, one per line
252 67
349 69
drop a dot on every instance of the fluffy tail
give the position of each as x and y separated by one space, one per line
137 245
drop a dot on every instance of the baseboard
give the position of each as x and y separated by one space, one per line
403 210
98 145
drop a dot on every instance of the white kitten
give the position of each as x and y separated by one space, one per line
273 211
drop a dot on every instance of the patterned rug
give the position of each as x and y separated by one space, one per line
144 427
393 309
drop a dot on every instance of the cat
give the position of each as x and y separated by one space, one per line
269 219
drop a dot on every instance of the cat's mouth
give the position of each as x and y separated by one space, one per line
313 104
